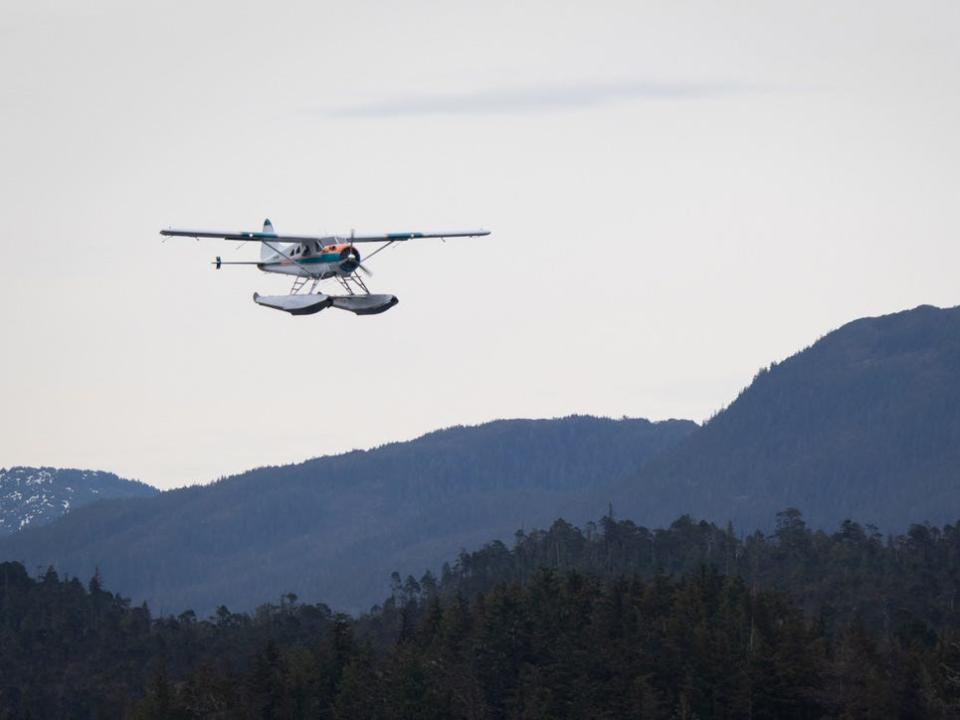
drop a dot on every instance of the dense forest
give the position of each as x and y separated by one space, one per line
611 621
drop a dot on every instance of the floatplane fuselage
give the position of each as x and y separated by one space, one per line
314 260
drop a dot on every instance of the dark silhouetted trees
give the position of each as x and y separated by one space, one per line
616 621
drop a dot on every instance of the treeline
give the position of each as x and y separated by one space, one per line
574 646
891 582
614 621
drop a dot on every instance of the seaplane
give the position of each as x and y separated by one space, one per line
313 259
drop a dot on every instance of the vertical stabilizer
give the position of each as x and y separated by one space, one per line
265 250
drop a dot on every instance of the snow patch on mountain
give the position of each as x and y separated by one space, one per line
33 496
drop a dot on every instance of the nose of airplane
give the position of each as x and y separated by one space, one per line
349 259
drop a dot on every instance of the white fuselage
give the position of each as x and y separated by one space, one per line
313 260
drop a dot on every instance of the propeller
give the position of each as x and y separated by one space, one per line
356 254
346 254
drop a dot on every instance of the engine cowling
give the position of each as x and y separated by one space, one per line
349 260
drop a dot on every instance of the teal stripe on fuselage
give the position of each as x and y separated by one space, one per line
324 258
316 259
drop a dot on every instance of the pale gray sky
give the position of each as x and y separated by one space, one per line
680 193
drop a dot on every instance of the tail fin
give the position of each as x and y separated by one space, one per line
265 250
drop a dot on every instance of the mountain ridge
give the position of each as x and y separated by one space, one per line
864 423
344 521
39 495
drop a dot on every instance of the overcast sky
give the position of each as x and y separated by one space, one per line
679 193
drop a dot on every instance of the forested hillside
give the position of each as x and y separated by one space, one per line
865 423
34 496
616 621
335 527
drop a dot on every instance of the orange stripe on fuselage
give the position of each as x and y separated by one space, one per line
338 248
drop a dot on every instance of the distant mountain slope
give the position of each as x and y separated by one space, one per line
34 496
863 424
333 529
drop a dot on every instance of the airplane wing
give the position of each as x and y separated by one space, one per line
403 237
243 235
253 236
